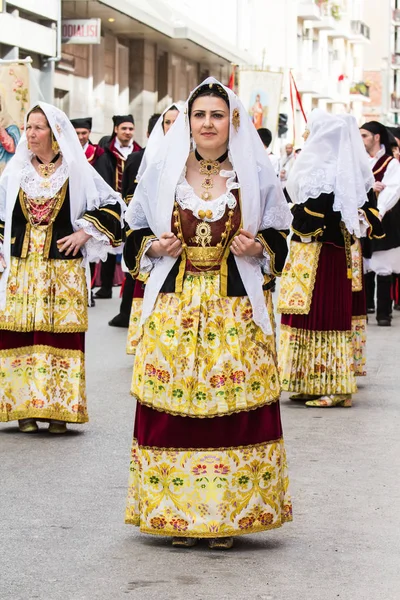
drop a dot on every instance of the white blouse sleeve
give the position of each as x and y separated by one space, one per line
390 195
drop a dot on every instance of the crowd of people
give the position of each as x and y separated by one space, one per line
206 219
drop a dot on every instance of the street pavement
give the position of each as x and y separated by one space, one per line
62 500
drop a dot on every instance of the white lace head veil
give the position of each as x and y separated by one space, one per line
333 160
87 190
154 141
262 202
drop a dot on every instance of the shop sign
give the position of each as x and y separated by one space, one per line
81 31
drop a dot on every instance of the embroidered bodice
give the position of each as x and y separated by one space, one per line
206 227
41 198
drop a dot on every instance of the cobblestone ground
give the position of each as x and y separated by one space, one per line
62 500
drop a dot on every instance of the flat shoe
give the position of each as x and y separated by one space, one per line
331 401
57 427
184 542
223 543
27 426
303 397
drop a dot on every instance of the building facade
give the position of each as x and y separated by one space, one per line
382 61
30 31
153 52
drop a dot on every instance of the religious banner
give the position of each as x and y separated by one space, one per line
260 91
14 102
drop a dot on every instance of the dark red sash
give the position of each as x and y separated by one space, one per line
380 167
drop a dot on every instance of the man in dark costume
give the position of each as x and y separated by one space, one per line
385 252
129 183
83 128
111 166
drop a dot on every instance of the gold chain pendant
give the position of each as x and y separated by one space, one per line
209 167
47 170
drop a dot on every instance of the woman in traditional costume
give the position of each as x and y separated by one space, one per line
329 186
56 215
208 457
161 128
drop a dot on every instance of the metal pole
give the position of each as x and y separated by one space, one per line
10 61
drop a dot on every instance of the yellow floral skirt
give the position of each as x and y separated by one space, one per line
316 362
316 348
359 336
42 359
202 355
134 330
208 457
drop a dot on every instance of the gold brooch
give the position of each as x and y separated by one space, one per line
236 118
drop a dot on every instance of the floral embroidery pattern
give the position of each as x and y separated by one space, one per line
42 382
356 266
45 295
202 354
359 338
208 493
135 330
316 362
298 278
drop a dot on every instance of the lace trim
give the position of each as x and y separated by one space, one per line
35 186
147 263
188 200
97 247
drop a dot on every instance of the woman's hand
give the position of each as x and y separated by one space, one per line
167 245
73 243
2 262
378 186
244 244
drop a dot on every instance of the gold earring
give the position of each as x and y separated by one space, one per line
28 146
54 144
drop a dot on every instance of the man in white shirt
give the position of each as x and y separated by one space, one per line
111 166
287 163
385 259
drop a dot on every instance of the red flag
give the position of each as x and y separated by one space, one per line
231 82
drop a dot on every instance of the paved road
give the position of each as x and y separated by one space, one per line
62 501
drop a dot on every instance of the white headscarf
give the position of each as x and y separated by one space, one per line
87 190
154 141
263 203
333 160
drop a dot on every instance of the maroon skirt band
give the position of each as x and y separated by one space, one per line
247 428
331 305
65 341
359 304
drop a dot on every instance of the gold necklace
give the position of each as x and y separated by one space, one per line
46 170
209 168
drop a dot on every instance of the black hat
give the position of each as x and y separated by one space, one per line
395 131
119 119
82 123
377 128
392 140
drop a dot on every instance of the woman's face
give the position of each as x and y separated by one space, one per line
169 119
209 122
38 134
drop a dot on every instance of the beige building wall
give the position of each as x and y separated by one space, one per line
382 62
